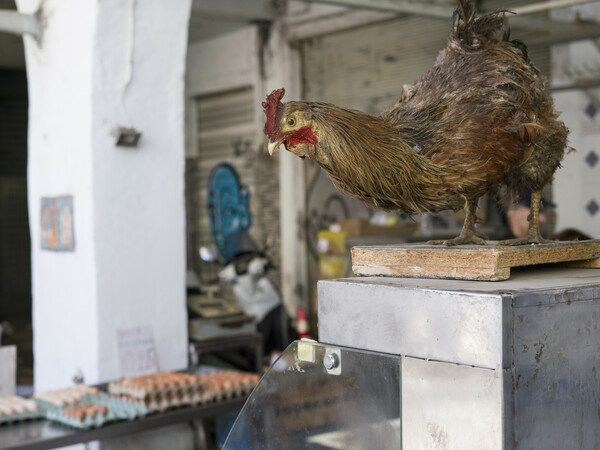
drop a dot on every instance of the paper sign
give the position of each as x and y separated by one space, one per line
8 370
136 352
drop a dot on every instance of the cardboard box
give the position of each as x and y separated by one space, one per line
362 227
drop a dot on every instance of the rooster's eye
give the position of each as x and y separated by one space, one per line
291 122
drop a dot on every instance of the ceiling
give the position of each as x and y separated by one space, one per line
212 18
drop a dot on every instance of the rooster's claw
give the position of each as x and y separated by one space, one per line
525 240
461 240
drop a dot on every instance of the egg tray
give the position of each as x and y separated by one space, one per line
228 384
156 402
19 409
118 409
66 396
160 399
163 400
29 415
227 394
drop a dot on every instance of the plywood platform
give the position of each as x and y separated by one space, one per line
468 262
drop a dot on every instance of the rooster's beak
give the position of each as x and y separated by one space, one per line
273 146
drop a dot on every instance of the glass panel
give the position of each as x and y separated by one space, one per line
323 397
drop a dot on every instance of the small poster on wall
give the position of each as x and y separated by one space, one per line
57 223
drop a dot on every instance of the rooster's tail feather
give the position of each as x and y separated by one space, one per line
470 32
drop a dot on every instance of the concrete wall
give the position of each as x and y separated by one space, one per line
226 62
101 65
236 60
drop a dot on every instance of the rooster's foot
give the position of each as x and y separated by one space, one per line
475 238
529 238
483 236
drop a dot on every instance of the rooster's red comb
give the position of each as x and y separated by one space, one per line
272 109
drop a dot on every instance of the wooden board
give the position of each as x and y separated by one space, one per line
468 262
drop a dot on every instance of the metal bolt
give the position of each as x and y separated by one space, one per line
331 361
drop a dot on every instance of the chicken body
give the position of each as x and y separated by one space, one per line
480 118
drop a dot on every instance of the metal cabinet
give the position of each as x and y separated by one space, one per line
510 364
444 364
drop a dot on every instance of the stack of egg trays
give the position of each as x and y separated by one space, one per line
22 414
117 410
226 384
163 397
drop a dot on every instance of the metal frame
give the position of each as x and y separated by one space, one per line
558 31
432 10
548 5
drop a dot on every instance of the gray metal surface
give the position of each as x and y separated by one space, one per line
510 364
555 390
522 280
446 326
447 406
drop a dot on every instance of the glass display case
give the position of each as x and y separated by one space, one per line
319 396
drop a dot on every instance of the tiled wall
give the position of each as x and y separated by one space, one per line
577 183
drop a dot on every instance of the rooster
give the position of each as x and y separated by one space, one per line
481 118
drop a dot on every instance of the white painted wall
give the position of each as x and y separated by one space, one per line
139 214
282 69
64 286
226 62
100 65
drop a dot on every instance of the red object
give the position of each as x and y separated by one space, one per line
303 135
302 324
273 108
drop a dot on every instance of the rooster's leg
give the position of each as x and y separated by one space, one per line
533 235
468 234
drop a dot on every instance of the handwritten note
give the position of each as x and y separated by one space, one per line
137 354
8 370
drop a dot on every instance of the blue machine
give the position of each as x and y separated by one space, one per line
229 214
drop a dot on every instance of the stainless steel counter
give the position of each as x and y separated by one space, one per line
43 434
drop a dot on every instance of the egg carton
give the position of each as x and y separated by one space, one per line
65 397
156 402
160 384
184 394
160 391
116 409
14 409
227 384
167 390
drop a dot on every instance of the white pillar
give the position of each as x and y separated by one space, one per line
101 65
283 70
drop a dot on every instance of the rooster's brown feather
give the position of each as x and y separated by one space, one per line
480 118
